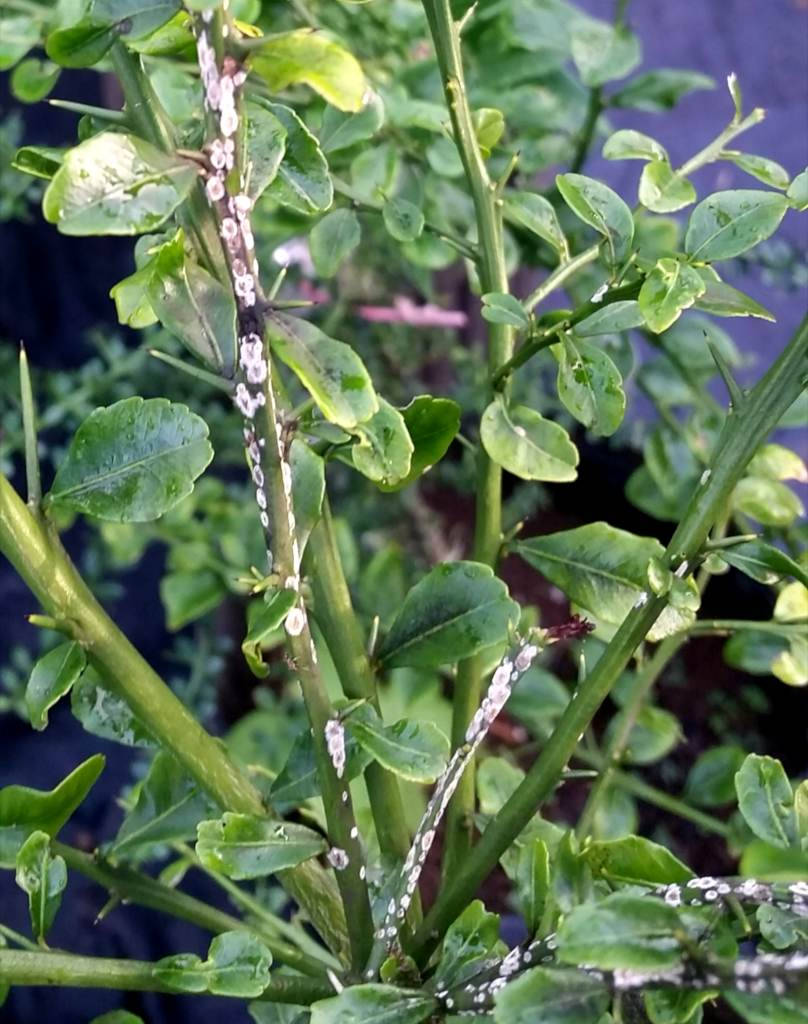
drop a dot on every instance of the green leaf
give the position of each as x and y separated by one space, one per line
670 288
754 652
263 619
537 214
489 124
590 385
660 90
603 52
777 462
539 700
304 57
330 370
167 809
633 860
131 299
601 569
38 161
663 190
676 1006
727 224
333 239
117 1017
771 1007
265 142
384 451
432 424
298 780
760 167
621 932
768 501
722 299
766 800
781 927
116 184
242 846
772 863
527 445
611 318
134 18
43 877
374 1004
237 965
603 209
457 609
302 181
533 883
32 80
546 995
504 309
797 193
51 678
132 461
792 603
654 734
711 779
341 131
187 595
308 489
18 33
472 938
417 751
104 714
24 810
627 144
763 562
403 219
194 306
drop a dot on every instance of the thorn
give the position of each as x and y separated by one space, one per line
736 395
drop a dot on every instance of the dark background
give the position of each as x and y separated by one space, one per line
53 289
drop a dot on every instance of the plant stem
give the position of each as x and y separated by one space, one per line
29 433
34 549
594 108
21 967
335 615
723 627
136 887
744 430
712 151
560 275
651 795
493 278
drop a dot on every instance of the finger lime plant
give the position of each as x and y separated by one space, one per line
236 140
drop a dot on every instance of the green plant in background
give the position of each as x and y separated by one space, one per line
237 142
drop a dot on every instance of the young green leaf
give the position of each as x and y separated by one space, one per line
187 595
662 189
766 800
330 370
527 445
265 144
621 932
242 846
116 184
611 318
590 385
603 209
237 965
417 751
722 299
104 714
489 124
711 779
727 224
470 940
763 562
660 90
302 181
33 80
131 299
760 167
456 610
777 462
532 211
634 860
670 288
403 219
432 424
602 52
264 618
51 678
504 309
38 161
797 193
24 810
194 306
768 501
384 450
374 1004
167 809
132 461
43 877
627 144
546 995
333 239
303 57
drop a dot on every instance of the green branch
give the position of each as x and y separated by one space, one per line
744 430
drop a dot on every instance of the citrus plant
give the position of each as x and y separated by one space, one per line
251 135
